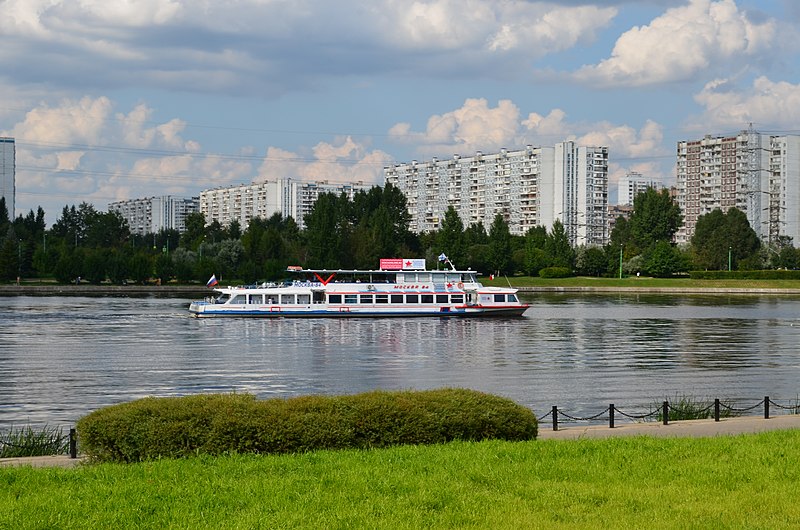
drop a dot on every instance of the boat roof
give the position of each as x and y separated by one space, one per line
378 271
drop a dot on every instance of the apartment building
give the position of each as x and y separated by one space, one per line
287 196
7 173
757 173
153 214
632 184
528 187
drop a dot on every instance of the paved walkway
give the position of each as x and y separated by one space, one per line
687 429
678 429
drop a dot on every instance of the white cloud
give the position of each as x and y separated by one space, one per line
271 47
344 160
683 43
472 127
766 102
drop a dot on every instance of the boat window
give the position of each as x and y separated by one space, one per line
221 299
427 298
499 298
271 300
457 298
365 298
423 276
351 299
412 298
334 299
304 299
402 277
256 299
381 298
239 299
397 298
442 298
453 278
512 298
287 299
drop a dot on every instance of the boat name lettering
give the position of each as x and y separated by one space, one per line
307 284
411 287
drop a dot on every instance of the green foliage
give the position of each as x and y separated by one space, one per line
656 217
500 246
558 248
591 261
723 238
27 441
684 407
450 238
746 275
215 424
664 260
555 272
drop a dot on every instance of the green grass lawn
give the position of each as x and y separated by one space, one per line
647 282
747 481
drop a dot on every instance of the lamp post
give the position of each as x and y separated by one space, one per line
729 259
620 262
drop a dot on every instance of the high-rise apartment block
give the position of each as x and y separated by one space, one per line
289 197
756 173
528 187
633 184
153 214
7 174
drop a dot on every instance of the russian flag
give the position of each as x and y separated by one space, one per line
212 281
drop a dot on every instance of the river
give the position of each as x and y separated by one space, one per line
62 357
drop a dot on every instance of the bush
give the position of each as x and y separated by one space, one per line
219 423
555 272
746 275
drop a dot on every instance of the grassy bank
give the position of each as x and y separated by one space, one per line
741 481
643 282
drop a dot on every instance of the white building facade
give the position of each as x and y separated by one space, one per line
756 173
528 187
289 197
153 214
7 174
633 184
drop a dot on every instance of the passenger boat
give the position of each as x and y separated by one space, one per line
400 288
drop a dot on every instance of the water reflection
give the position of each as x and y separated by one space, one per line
63 357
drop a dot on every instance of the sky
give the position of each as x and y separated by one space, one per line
111 100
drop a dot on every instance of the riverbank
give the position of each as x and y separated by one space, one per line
567 285
176 291
723 481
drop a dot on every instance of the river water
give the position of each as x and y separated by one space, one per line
62 357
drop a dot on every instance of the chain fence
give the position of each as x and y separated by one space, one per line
672 412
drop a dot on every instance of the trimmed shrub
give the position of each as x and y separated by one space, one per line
746 275
555 272
220 423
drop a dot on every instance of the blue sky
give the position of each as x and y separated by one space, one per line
114 99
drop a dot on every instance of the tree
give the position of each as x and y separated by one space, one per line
500 246
656 217
664 260
327 230
591 261
721 239
450 237
558 248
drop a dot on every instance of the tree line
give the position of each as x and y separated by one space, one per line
344 233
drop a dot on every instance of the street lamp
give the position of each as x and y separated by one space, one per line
729 258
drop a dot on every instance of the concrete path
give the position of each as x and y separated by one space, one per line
678 429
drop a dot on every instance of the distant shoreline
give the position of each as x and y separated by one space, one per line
200 291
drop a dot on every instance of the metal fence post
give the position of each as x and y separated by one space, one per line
665 412
766 407
611 416
73 443
716 409
555 417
